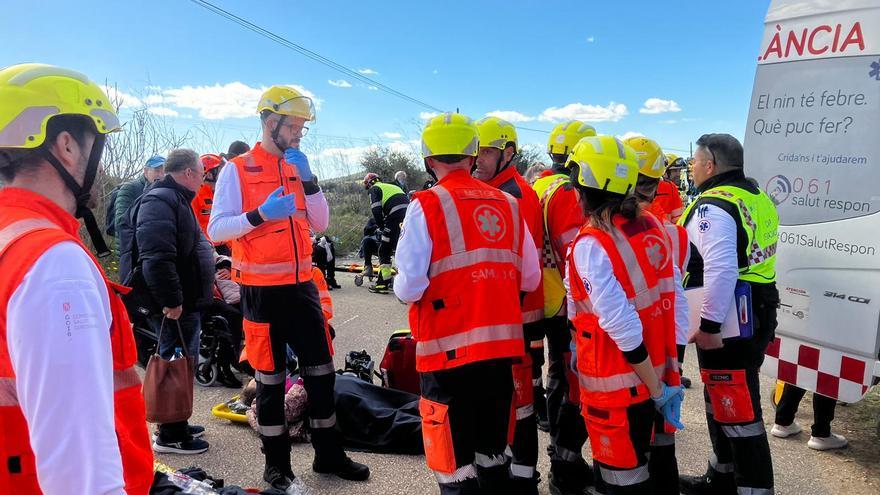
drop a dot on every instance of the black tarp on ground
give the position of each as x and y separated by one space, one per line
377 419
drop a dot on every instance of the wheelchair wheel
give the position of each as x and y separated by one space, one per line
206 374
358 280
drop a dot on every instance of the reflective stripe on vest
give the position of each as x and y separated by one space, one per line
479 335
623 380
467 258
760 256
22 227
285 267
122 379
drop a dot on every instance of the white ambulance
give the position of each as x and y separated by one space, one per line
813 143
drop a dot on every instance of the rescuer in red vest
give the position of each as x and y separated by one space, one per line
72 416
464 258
204 200
265 202
498 147
621 295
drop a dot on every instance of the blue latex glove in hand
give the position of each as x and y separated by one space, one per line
299 159
278 206
669 404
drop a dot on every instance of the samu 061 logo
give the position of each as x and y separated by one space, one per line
778 188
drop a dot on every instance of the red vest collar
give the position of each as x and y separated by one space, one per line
43 207
261 155
505 175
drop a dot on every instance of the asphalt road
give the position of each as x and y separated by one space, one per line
364 321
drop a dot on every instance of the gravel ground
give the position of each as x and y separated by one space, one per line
364 321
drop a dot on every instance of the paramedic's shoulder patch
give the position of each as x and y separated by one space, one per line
702 211
587 285
704 226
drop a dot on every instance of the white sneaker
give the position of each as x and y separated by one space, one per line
835 441
780 431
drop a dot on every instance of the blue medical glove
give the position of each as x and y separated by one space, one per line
299 159
278 206
672 411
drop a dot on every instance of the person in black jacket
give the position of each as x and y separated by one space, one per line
178 266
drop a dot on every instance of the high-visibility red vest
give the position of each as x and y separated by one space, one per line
470 311
201 206
326 302
678 239
276 252
667 203
641 258
30 224
530 207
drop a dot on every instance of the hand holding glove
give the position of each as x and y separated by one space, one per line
299 159
668 403
278 206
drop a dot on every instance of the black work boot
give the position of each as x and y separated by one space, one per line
570 478
278 477
525 486
277 472
711 483
344 467
540 401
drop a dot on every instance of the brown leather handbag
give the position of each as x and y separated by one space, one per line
168 385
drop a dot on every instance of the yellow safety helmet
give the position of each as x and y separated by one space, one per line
450 134
496 133
31 94
605 163
565 136
652 162
285 100
671 158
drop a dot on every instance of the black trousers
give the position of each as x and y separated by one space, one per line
733 398
294 318
390 236
622 436
524 449
328 268
465 420
567 431
823 409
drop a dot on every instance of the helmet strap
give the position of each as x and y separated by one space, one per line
83 192
276 131
429 170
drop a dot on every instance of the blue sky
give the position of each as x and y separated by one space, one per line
608 62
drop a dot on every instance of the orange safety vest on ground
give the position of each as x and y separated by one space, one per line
326 302
470 311
201 206
276 252
511 182
29 225
641 257
667 203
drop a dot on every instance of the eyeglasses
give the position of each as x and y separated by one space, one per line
301 131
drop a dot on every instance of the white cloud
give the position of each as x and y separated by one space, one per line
339 83
435 72
391 135
510 116
657 105
613 112
630 134
220 101
121 98
372 88
163 111
591 39
368 72
428 115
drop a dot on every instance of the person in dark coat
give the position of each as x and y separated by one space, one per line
178 267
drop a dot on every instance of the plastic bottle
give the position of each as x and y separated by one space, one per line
178 353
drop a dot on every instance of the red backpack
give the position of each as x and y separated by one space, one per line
398 366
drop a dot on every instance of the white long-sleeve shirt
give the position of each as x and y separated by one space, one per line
413 257
617 316
229 222
713 232
682 323
58 333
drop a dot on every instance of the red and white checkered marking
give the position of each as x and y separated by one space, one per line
825 371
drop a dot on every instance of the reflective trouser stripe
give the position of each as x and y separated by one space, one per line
376 204
624 477
533 316
320 370
567 455
663 440
487 461
721 467
270 378
745 490
272 430
479 335
323 423
463 473
755 429
525 411
397 208
521 471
